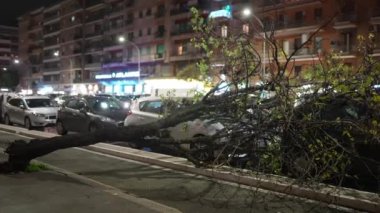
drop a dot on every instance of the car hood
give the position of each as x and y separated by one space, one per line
117 115
44 110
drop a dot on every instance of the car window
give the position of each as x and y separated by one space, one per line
39 102
151 106
72 104
104 103
15 102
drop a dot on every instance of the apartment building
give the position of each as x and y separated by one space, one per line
8 46
119 46
336 23
75 44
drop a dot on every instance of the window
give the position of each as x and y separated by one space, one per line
72 104
151 106
149 32
15 102
318 14
41 102
224 31
149 12
141 14
140 33
297 70
318 44
245 28
180 49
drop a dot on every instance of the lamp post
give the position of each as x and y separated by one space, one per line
248 13
124 41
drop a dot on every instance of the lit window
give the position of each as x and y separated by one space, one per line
180 49
245 28
72 18
224 31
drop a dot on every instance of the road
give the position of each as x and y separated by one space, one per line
185 192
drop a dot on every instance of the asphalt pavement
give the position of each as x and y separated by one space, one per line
153 184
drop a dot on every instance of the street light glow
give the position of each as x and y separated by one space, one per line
121 39
56 53
247 12
16 61
5 69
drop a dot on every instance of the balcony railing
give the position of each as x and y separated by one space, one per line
346 17
91 3
183 29
179 11
95 17
93 34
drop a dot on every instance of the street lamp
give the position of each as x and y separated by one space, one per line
122 40
16 61
246 12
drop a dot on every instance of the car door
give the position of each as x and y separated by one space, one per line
81 116
16 111
68 115
10 109
149 111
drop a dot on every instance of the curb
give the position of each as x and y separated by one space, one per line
350 198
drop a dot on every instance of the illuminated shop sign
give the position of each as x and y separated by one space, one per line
115 75
226 12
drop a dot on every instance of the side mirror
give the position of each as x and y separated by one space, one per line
22 106
84 110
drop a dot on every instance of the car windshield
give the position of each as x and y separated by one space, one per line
40 102
104 103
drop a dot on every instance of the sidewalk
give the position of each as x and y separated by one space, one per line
51 191
97 167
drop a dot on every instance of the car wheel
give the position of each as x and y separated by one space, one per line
93 128
7 121
201 151
28 124
60 128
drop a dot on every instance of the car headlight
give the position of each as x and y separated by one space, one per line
38 114
106 119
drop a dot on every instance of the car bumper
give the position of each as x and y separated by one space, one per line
42 121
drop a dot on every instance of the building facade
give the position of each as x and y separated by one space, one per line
118 45
325 26
8 46
76 44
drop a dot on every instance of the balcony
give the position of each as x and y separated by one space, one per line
160 14
375 16
95 17
346 20
182 29
91 3
342 48
94 34
51 15
159 34
178 11
113 61
72 8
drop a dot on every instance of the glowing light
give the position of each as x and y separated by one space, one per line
104 105
247 12
121 39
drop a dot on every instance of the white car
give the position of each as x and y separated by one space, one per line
150 109
30 111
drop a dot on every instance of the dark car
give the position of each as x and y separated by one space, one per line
90 113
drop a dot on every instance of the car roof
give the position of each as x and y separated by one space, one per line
34 97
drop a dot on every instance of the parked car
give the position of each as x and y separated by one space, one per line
89 113
30 111
150 109
61 99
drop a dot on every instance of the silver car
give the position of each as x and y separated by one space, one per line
30 111
151 109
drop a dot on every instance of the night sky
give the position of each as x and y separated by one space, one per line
10 10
